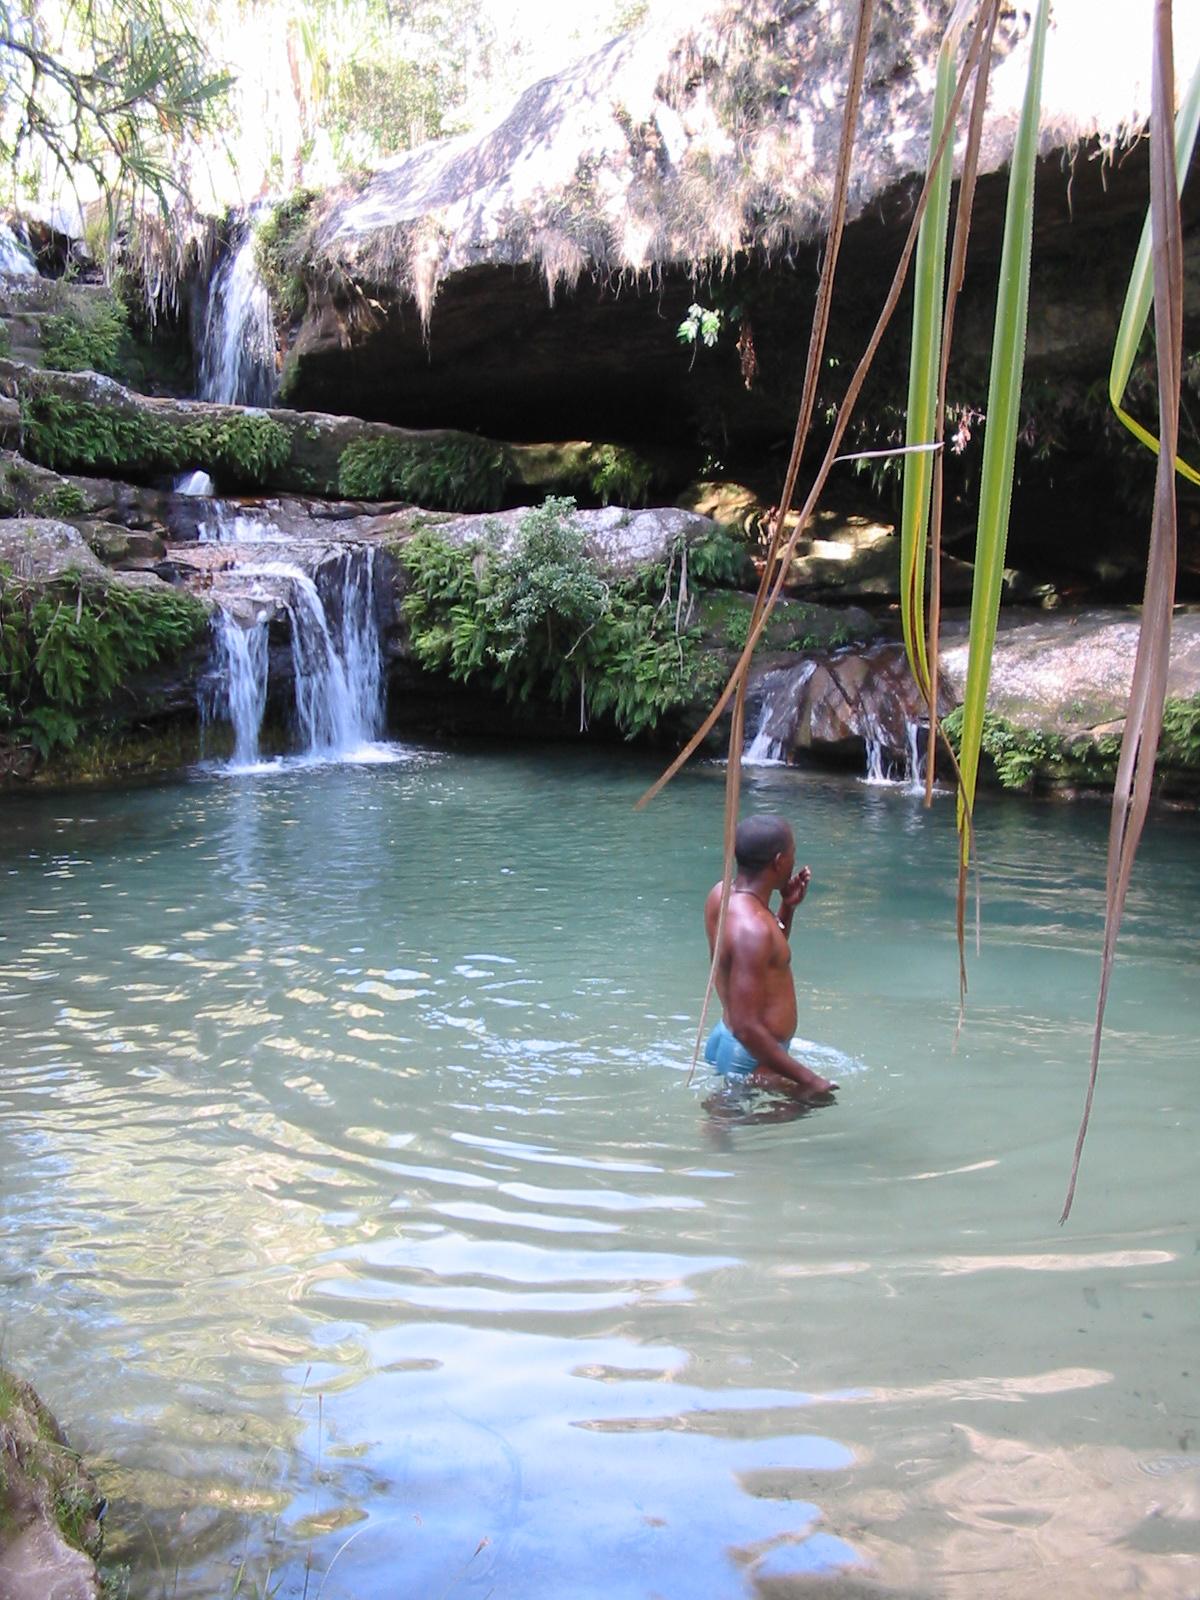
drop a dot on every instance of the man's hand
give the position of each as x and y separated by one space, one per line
795 889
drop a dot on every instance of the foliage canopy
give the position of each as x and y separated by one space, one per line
102 95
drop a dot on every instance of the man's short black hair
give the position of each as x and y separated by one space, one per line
759 840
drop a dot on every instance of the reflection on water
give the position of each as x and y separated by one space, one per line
360 1220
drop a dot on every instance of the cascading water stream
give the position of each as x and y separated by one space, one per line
865 706
236 333
15 259
339 703
239 683
336 657
766 749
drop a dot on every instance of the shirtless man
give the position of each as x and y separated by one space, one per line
754 974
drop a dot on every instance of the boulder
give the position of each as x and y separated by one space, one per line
841 704
38 550
731 505
1067 673
622 541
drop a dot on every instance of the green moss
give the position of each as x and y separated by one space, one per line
449 472
1023 756
77 435
5 340
86 337
278 250
794 625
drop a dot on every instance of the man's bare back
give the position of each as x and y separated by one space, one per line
754 973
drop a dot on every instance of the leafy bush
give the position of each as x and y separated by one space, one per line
88 337
1023 756
64 500
453 472
539 618
65 648
719 560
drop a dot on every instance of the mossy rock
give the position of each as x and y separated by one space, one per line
50 1533
796 625
82 422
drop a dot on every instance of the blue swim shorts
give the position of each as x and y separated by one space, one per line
729 1055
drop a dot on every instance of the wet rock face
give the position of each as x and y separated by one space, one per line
842 703
49 1505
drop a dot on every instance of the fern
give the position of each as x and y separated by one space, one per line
65 649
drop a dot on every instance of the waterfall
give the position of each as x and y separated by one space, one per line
336 657
782 692
15 260
236 334
339 678
763 751
882 769
194 484
239 683
227 522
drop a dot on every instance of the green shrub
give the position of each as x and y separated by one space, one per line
64 500
1024 756
450 472
539 618
87 337
1180 742
66 647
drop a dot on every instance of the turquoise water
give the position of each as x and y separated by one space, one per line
359 1219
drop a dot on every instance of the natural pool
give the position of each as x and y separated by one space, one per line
357 1210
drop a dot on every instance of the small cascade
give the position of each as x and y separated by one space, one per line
194 484
844 704
337 659
239 683
763 751
336 656
235 337
15 259
882 765
782 693
227 522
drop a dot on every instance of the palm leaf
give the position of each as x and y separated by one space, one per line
1000 440
929 275
1148 691
1136 311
